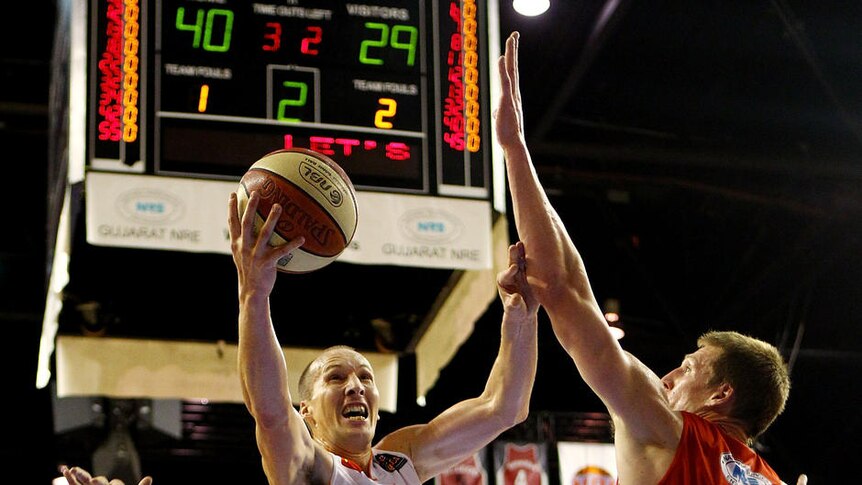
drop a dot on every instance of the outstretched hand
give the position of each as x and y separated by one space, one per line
79 476
255 258
515 292
509 114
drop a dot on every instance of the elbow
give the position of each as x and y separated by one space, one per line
513 413
515 418
268 417
564 289
520 416
556 277
553 291
554 281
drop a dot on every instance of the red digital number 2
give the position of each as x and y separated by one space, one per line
308 43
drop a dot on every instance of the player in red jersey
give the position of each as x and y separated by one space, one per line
693 426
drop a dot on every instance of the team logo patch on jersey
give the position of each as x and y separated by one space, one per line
388 462
738 473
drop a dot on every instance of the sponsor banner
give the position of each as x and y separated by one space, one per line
470 471
520 463
157 212
154 212
587 463
421 231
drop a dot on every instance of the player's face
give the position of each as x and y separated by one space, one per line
343 406
687 386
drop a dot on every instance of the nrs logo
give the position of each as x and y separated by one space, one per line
150 206
431 226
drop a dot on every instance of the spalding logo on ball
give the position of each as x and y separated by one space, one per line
318 201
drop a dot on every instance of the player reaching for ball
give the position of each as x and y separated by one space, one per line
329 438
696 424
317 199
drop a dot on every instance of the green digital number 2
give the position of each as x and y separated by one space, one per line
300 100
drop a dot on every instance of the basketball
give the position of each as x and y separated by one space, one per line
318 201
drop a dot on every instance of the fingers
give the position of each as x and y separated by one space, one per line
507 278
294 244
79 476
514 275
513 280
75 475
244 226
512 56
288 247
513 253
232 213
521 255
516 301
508 64
70 479
268 227
503 70
509 115
518 258
251 240
250 213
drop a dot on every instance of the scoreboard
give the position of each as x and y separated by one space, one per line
395 91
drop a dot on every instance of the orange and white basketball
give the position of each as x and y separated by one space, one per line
318 199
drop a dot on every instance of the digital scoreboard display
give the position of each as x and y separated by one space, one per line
394 91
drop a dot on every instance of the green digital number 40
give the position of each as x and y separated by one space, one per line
203 29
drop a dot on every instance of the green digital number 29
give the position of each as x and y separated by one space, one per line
403 37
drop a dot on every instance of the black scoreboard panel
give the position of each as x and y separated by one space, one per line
394 91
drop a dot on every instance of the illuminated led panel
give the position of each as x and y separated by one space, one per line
395 91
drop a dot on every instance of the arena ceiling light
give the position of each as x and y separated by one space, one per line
531 8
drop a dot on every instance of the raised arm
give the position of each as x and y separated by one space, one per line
558 274
469 425
288 452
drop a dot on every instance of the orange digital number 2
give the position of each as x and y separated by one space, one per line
389 107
